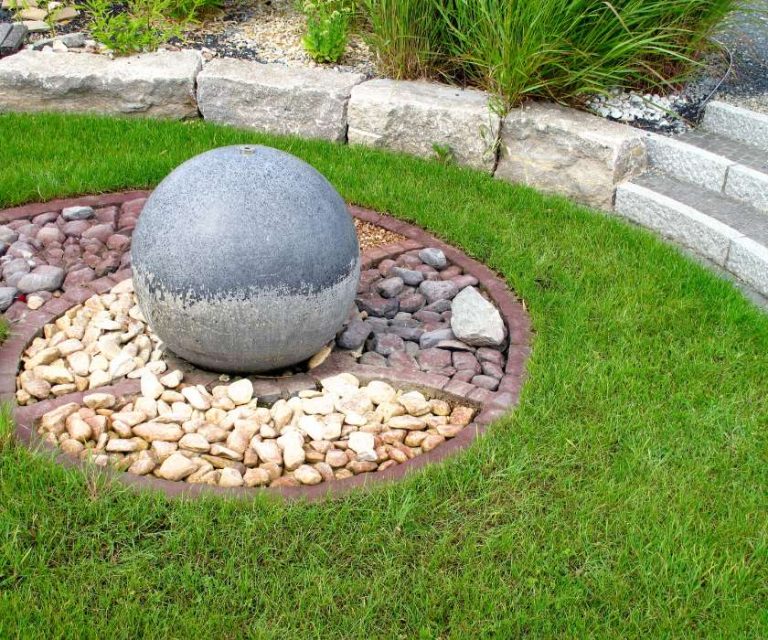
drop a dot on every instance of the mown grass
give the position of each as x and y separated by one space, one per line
624 498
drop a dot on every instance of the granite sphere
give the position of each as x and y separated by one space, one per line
245 259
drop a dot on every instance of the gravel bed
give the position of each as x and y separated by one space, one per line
224 437
746 36
370 236
439 323
269 32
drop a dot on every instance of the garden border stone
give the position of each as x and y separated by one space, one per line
425 119
158 84
546 146
568 152
27 324
275 98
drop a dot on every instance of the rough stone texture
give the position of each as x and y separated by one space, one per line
7 295
677 221
687 162
737 123
42 278
419 117
568 152
11 38
255 272
749 261
476 321
156 84
748 185
274 98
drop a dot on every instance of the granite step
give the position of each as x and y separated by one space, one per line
736 123
714 162
722 229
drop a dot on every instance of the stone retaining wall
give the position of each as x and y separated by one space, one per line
553 149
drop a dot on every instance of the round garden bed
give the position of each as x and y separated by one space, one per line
434 350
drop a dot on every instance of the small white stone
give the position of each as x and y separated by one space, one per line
313 427
293 456
379 392
320 405
240 392
256 477
268 451
343 384
176 467
152 431
414 403
99 401
196 399
172 380
361 442
122 445
230 478
194 442
307 475
150 386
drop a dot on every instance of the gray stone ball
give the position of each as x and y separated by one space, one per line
245 259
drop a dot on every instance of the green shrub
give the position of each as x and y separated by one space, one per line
141 25
544 48
327 29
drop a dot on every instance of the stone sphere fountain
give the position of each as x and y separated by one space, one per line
245 259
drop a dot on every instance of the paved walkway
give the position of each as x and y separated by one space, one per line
746 36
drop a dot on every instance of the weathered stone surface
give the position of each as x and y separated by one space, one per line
435 258
421 118
42 278
275 98
691 228
569 152
11 38
176 467
687 162
7 295
476 321
737 123
435 290
285 251
77 213
155 84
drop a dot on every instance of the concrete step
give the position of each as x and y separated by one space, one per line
736 123
714 162
720 228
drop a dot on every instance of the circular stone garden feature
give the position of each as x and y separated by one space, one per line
245 259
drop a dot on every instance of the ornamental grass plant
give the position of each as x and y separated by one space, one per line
558 49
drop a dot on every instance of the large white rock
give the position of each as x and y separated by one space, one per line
569 152
155 84
476 321
275 98
421 117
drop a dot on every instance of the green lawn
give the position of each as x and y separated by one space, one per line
626 497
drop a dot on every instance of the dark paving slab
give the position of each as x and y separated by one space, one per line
740 152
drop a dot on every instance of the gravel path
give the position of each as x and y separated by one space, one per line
746 36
